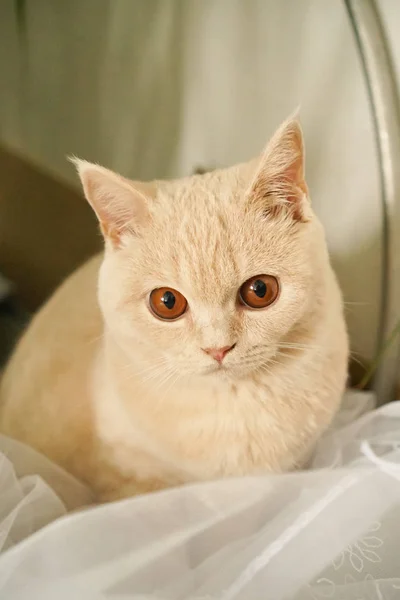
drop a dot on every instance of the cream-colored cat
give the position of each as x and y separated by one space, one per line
219 347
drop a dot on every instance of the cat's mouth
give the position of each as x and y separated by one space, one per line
239 369
217 368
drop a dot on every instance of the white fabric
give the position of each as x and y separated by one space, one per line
330 532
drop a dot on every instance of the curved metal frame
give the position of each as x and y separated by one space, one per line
383 95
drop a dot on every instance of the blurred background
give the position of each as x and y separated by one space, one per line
158 88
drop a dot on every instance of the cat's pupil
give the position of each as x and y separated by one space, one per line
168 300
259 288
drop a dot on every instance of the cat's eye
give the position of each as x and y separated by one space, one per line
167 304
259 292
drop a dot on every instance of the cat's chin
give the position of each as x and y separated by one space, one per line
218 371
224 372
215 370
238 370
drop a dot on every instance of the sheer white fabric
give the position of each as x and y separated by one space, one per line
329 532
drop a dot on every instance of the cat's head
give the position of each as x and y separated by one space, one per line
210 274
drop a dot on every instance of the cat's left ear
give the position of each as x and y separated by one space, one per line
279 183
121 205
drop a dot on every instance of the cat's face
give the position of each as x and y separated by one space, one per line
208 276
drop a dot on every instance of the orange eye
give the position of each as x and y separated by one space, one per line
259 292
167 304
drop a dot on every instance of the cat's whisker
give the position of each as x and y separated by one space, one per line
156 372
357 360
273 361
294 346
259 350
97 338
158 361
153 360
152 373
264 369
253 352
172 381
152 376
169 375
355 353
286 354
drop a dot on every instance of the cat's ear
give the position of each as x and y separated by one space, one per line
121 205
279 182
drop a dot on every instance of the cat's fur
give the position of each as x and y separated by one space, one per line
129 403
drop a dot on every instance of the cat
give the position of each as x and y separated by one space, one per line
207 341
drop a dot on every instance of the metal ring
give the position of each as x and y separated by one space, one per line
383 96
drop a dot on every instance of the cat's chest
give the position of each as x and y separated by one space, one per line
197 433
234 434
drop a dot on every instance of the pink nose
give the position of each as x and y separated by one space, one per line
218 354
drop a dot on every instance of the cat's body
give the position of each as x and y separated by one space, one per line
140 403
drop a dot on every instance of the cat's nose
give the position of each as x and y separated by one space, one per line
218 354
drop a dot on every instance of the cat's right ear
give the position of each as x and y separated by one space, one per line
121 205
